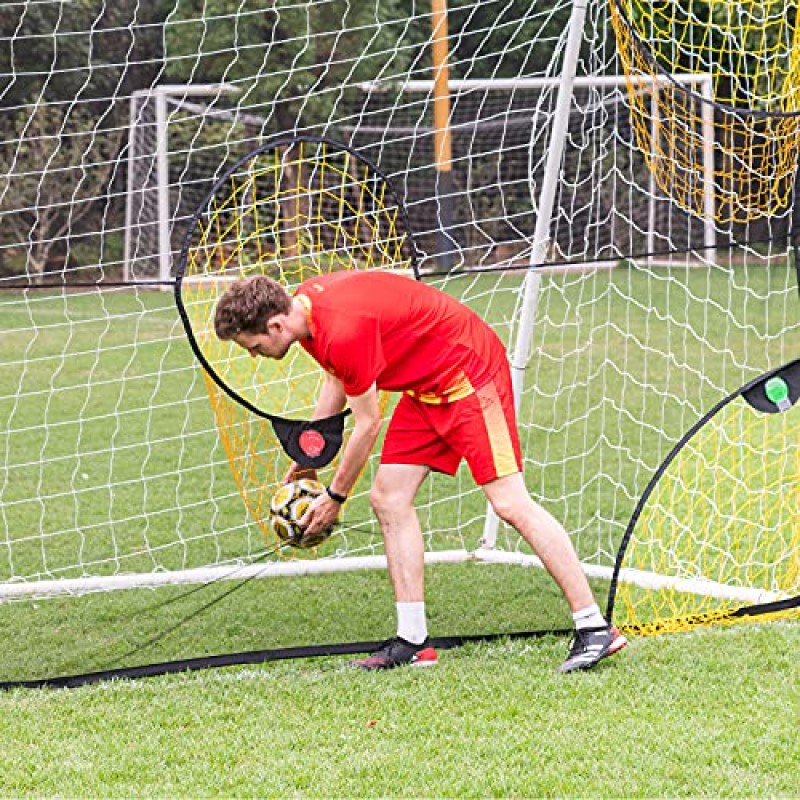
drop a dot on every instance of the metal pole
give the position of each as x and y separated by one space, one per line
162 188
709 171
541 235
127 267
442 141
655 124
159 96
550 180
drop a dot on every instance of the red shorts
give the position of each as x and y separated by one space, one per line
480 428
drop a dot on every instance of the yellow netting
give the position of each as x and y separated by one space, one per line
723 518
732 154
290 213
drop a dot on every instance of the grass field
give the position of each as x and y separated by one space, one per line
711 714
112 464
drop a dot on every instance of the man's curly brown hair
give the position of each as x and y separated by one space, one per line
248 305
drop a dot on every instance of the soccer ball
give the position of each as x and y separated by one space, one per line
287 507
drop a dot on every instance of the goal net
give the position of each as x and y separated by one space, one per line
120 517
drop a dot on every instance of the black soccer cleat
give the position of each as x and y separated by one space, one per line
591 645
398 653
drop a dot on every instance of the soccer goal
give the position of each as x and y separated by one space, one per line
592 199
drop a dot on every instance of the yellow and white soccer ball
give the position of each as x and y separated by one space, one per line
287 507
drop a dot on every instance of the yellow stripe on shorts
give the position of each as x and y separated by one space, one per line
505 462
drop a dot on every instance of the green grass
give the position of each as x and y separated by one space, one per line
709 714
104 631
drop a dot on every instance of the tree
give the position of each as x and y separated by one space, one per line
496 39
52 178
290 61
66 72
87 50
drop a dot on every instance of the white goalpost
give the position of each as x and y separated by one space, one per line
149 212
625 314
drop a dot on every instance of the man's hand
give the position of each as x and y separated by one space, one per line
298 473
324 511
321 515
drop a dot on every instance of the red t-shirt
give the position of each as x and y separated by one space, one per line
398 333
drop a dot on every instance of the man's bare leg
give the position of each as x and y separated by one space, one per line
392 499
594 638
540 529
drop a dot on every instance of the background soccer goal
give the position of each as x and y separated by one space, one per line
621 212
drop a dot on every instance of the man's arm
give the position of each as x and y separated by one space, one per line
331 400
368 420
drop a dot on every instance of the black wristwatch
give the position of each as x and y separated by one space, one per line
339 498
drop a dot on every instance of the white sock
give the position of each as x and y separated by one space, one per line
411 624
589 617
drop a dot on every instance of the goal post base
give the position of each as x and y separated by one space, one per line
204 575
297 568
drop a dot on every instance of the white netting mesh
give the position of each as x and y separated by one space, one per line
110 456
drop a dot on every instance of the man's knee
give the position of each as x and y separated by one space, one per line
508 509
512 506
385 496
510 499
378 497
391 492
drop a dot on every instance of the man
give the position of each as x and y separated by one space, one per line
373 331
